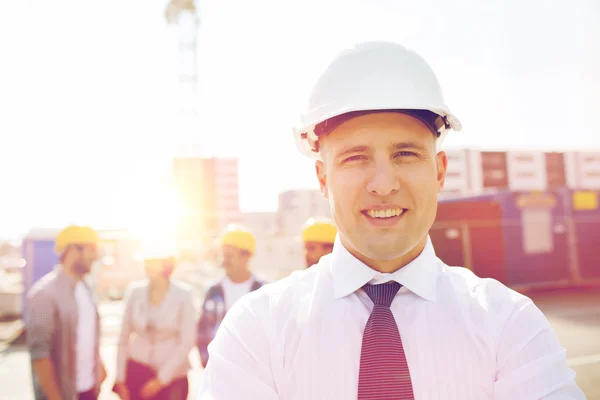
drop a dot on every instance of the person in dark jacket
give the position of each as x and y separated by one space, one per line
237 247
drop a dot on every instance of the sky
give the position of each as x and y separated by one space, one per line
90 103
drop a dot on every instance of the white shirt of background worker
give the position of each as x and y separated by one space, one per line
233 291
86 338
238 245
382 317
237 248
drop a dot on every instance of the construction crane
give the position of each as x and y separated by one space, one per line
184 14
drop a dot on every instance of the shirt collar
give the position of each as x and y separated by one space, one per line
250 281
350 274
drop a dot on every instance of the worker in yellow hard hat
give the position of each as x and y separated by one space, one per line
238 245
62 320
318 236
78 247
157 262
157 334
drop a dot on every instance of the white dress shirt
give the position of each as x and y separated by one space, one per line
86 338
465 338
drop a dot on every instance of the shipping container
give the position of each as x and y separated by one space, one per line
585 216
473 172
588 170
522 238
468 233
526 170
556 172
457 175
535 238
39 255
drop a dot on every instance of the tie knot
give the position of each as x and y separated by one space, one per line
382 294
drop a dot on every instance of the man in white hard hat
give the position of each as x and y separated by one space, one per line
383 317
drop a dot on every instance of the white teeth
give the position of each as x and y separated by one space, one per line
392 212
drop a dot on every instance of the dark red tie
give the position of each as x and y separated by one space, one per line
384 373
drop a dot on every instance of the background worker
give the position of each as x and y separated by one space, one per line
157 335
63 324
237 248
318 236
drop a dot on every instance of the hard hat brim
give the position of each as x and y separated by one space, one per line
304 134
425 116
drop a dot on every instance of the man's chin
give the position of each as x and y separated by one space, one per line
393 251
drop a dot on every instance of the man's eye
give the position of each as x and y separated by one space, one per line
354 158
404 154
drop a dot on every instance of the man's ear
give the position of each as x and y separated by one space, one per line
442 166
322 177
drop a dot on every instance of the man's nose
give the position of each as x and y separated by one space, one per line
384 180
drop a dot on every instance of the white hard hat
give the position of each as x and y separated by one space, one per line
154 250
373 76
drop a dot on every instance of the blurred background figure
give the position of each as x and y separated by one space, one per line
62 322
237 248
157 334
318 236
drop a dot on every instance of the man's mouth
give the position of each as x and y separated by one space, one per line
385 213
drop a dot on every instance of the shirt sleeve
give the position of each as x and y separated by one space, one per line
239 359
39 323
531 363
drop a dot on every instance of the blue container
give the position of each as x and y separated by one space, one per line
38 252
536 238
525 243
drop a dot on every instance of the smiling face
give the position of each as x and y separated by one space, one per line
382 177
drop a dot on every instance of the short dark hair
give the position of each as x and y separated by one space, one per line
433 121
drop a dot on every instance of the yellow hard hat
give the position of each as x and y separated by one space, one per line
240 237
320 230
75 235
